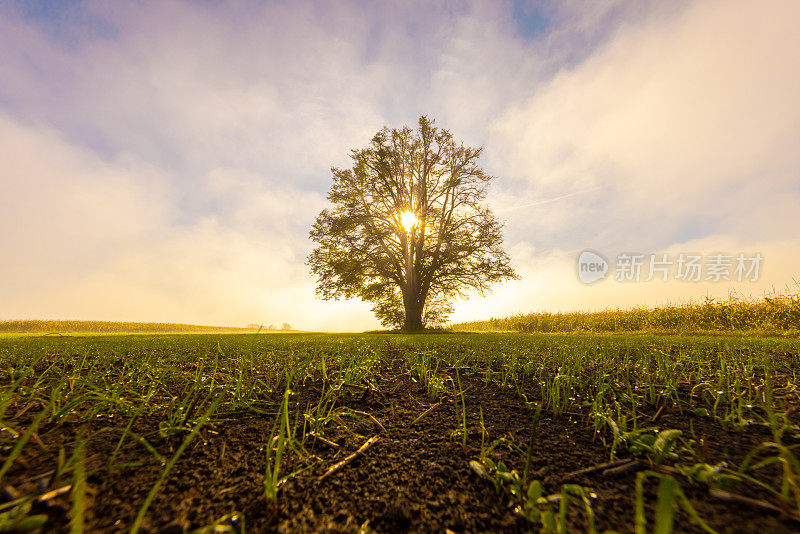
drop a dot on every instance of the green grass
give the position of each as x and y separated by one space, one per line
185 381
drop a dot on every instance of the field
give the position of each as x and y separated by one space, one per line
111 327
776 315
391 432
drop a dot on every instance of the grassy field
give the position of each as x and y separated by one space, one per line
110 327
390 432
775 315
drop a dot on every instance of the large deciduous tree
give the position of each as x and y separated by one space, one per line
407 230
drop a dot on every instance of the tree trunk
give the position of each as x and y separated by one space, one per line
413 319
411 302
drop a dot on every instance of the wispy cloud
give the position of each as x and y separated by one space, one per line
546 201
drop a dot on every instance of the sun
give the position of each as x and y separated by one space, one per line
408 219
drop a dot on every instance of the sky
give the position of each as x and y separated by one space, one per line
164 160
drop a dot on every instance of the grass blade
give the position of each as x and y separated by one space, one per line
665 508
21 443
78 490
188 439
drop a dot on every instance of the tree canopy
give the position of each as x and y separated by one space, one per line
407 229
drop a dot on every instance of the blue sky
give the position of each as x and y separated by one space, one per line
164 160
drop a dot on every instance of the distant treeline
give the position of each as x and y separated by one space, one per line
108 327
776 314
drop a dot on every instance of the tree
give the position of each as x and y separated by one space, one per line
407 230
286 326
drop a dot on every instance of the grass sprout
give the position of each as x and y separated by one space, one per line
669 495
165 472
272 478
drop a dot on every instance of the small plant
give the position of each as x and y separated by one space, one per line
14 517
79 487
715 476
534 430
325 411
657 447
461 414
532 505
781 454
500 475
21 441
179 413
670 494
167 468
790 470
540 509
272 478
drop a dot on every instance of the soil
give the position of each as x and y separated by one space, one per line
415 478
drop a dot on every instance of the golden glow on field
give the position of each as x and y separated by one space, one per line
408 219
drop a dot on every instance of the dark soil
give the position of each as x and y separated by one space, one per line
416 478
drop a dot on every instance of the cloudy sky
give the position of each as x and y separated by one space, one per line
164 160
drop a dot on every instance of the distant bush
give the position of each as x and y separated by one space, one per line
780 312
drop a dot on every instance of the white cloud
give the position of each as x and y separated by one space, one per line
83 238
64 210
696 104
